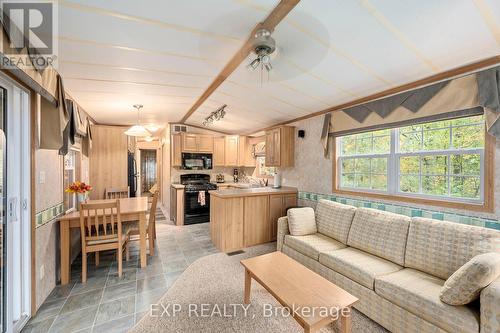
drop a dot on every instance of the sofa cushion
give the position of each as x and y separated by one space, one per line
312 245
440 248
301 221
465 285
334 219
380 233
418 293
357 265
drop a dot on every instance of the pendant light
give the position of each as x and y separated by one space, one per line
138 130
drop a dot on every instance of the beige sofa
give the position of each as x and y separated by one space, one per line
396 266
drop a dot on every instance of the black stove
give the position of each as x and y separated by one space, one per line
195 210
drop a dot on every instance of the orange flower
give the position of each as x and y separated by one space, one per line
78 187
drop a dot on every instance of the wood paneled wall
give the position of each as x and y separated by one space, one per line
108 159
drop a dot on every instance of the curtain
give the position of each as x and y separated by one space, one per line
452 99
473 94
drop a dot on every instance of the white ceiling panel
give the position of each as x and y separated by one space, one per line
164 54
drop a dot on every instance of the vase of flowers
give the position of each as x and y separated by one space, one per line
81 190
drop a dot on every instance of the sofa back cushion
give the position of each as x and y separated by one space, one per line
440 248
334 219
380 233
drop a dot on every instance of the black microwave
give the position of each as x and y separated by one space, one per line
196 161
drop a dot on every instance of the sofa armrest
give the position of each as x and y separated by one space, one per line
282 231
490 308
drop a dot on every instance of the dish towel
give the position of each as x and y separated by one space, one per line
201 198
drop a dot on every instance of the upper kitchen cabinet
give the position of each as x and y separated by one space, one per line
219 152
197 143
280 147
231 150
238 151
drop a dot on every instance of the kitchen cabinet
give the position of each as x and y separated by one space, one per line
231 150
238 151
278 206
197 143
280 147
247 217
189 143
177 205
176 150
205 143
256 213
219 152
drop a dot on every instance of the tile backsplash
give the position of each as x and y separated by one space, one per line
49 214
310 198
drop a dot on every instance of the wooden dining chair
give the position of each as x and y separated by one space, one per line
133 230
101 230
117 193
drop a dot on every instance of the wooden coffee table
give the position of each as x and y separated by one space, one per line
297 287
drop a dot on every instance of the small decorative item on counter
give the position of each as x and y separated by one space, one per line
81 190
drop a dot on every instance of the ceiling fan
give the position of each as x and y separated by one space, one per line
263 46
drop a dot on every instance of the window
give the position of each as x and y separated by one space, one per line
71 173
262 170
442 160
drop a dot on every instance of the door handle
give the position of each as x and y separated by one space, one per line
13 209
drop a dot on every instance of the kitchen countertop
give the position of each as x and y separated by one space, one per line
178 186
243 192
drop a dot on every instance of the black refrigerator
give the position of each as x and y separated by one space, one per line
132 175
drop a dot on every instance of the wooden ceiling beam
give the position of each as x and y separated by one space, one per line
446 75
271 21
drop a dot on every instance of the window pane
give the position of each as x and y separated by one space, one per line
348 145
465 187
468 136
348 180
435 185
409 184
435 165
362 181
348 165
411 128
467 120
379 182
382 144
436 124
437 139
409 142
467 164
363 165
379 165
409 165
364 146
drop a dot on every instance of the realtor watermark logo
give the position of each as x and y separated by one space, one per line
29 33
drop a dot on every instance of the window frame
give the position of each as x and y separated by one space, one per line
484 204
76 174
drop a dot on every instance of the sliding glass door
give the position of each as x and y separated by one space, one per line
15 190
3 209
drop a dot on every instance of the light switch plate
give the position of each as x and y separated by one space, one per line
41 177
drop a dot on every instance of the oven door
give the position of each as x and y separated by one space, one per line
193 211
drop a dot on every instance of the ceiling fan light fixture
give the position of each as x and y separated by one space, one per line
254 64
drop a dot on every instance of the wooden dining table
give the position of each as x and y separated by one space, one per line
131 210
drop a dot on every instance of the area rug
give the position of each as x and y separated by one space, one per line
208 297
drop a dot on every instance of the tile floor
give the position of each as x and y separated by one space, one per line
107 303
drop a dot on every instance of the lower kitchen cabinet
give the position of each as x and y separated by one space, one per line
243 220
278 206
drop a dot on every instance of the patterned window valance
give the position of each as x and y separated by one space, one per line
473 94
